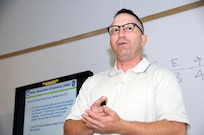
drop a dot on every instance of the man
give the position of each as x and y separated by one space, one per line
134 97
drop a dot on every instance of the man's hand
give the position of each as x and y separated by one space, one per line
102 119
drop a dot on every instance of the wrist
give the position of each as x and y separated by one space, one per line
124 127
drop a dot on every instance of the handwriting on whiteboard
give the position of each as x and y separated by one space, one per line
197 68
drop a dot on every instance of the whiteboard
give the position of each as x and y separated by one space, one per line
178 44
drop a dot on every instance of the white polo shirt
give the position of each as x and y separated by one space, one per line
145 93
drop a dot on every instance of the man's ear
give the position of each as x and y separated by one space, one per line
144 40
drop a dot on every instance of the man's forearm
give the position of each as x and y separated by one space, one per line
155 128
76 127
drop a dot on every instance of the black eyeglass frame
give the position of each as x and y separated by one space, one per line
119 26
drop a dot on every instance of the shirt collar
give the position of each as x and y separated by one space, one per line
142 66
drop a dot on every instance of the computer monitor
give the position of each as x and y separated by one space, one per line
41 108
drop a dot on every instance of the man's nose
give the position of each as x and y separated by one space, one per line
121 32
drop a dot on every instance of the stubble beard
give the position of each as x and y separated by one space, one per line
123 54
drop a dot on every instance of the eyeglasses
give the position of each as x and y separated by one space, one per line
128 27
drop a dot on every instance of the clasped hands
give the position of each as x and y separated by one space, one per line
102 119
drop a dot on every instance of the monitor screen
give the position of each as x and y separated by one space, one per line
41 108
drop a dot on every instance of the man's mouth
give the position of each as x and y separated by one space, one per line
122 43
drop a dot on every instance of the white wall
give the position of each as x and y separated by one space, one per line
25 24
